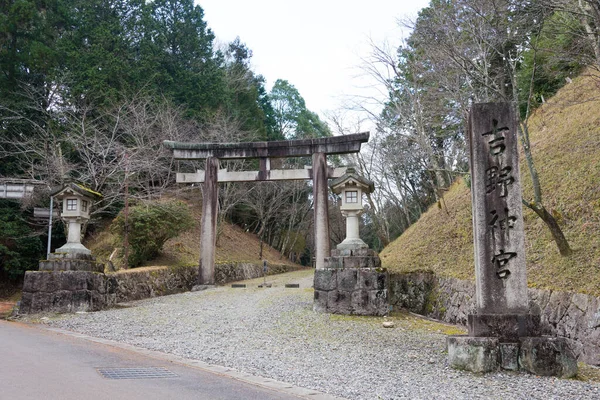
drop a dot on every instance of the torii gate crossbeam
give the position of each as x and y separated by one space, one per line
318 149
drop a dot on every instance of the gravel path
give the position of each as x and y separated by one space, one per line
274 333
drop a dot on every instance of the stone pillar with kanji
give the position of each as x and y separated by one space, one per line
502 331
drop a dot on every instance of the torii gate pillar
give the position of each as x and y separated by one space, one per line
208 226
321 220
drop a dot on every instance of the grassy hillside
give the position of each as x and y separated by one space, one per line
565 136
233 244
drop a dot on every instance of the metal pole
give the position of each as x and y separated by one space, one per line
50 227
126 238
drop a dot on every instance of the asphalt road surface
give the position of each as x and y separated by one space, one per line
36 363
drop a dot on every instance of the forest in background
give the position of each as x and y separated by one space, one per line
90 89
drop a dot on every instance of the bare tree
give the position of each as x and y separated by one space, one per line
485 41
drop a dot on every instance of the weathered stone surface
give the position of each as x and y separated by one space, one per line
547 356
360 303
506 327
350 261
378 299
473 354
367 279
69 291
142 283
77 256
334 262
66 264
347 279
321 208
199 288
499 235
451 300
413 292
325 279
509 356
208 224
66 291
351 291
365 252
320 301
339 302
335 253
361 262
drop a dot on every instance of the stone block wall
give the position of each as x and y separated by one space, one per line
66 291
142 283
575 316
71 291
231 272
351 283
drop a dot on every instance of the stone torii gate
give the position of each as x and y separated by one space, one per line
320 172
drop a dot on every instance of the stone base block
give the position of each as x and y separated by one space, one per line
66 291
354 253
70 262
506 327
71 256
547 356
509 356
475 354
357 291
198 288
71 265
352 244
344 262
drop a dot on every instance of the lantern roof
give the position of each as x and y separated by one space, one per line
70 187
352 179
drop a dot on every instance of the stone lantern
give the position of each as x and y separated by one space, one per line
77 201
352 281
351 187
70 280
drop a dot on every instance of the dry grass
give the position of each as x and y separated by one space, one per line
441 241
588 373
233 244
565 136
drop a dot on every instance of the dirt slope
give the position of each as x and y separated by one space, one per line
565 136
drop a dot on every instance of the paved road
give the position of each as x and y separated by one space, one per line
39 364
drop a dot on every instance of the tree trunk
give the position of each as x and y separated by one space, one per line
552 224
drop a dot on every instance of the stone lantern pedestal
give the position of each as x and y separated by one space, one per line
352 281
70 279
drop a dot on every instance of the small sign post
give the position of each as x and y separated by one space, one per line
265 269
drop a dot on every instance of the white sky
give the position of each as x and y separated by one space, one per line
314 44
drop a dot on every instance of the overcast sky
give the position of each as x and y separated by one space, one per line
314 44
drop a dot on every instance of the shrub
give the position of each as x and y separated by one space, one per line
150 226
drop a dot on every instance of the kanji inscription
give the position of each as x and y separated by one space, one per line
497 209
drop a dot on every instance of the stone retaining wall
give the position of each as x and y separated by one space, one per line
575 316
232 272
66 291
71 291
142 283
